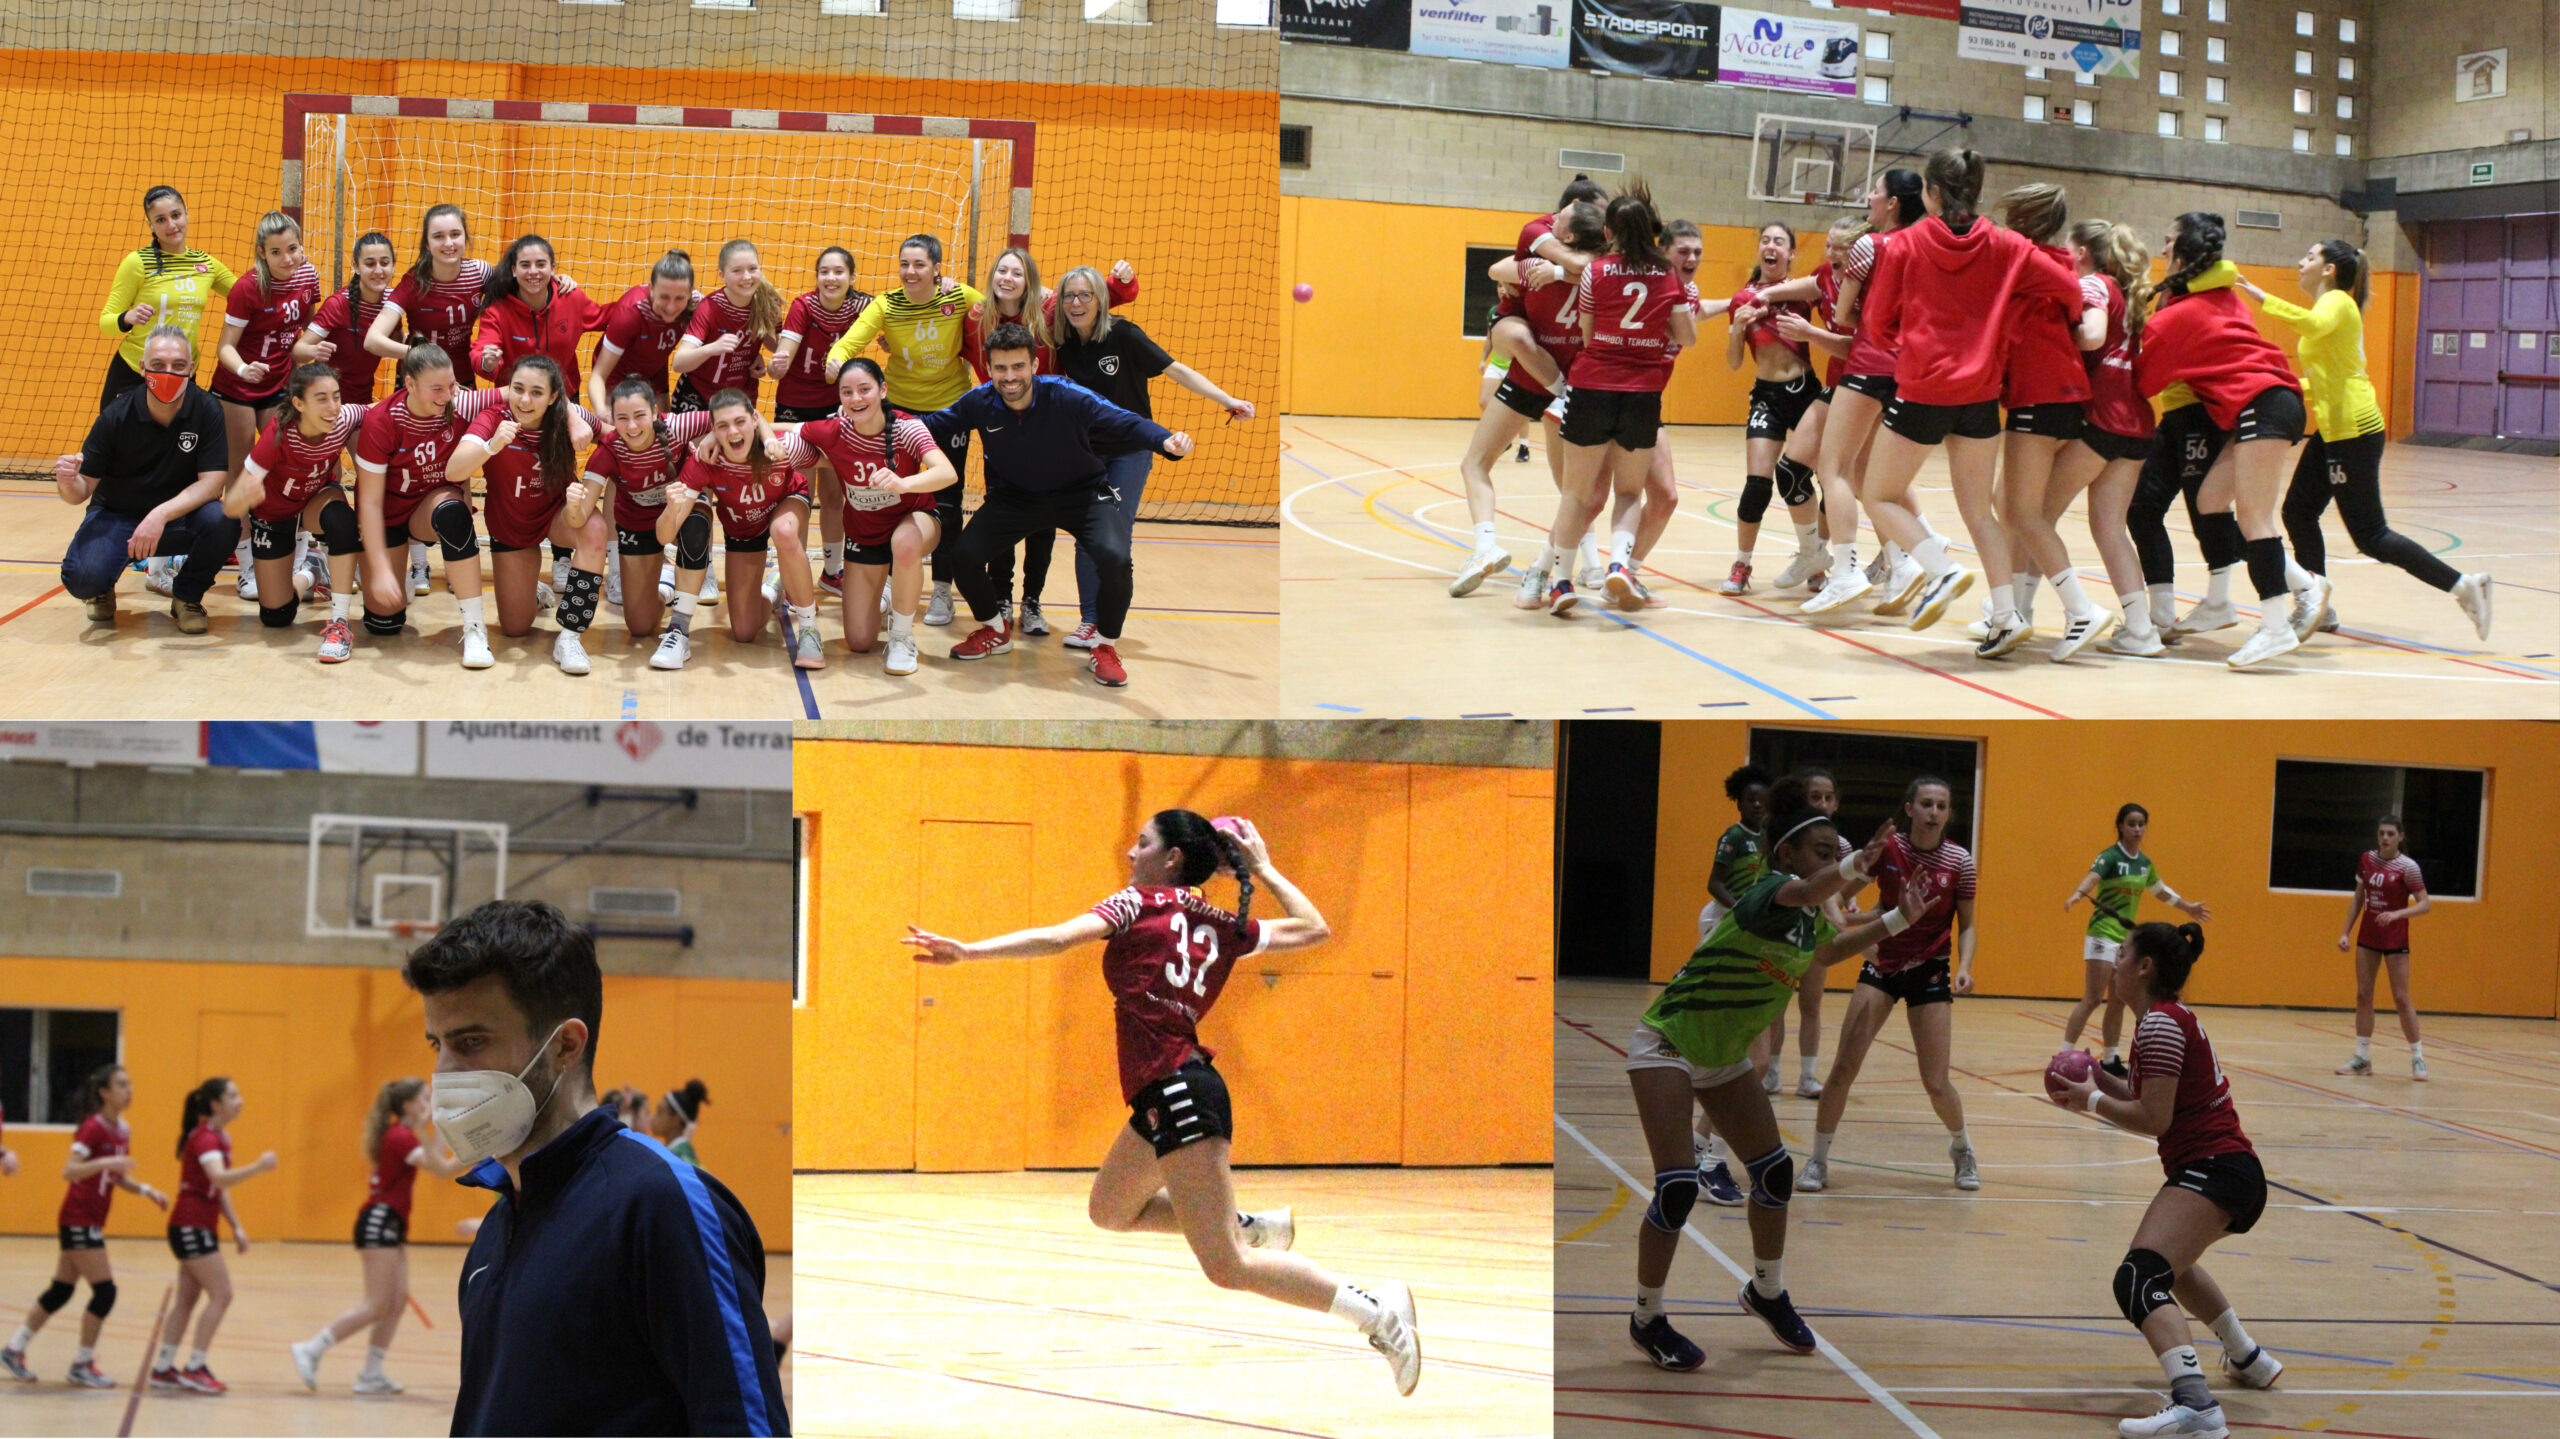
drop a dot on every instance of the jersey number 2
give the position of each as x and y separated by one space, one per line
1184 973
1635 293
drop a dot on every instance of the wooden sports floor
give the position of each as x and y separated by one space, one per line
1374 523
2407 1269
281 1293
1202 642
986 1304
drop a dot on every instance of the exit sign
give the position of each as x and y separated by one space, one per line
2483 172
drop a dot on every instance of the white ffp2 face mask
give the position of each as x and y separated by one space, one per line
483 1113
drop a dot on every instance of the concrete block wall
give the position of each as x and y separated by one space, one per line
2414 107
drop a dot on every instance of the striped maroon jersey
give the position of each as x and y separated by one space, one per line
2170 1047
1947 873
1169 955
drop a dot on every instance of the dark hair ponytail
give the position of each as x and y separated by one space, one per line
2351 267
688 1101
1957 177
1634 232
200 1103
2197 248
355 277
1904 188
93 1089
2173 950
1791 793
1206 849
1581 191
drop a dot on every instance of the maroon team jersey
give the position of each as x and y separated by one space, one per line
1556 322
1827 281
442 313
639 476
1766 332
411 451
2170 1047
643 341
269 317
393 1175
521 505
296 466
1538 228
744 503
199 1204
1948 872
2115 406
817 329
84 1204
1630 311
2386 885
1169 955
1871 352
2044 365
342 323
717 315
869 515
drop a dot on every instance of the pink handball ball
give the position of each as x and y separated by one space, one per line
2071 1066
1304 292
1232 824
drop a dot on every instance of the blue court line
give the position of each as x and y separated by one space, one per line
630 704
1345 709
808 696
2421 1238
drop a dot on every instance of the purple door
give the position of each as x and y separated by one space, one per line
2489 328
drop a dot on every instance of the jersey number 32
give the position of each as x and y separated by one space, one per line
1189 969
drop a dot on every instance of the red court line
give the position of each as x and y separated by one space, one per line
2442 1043
1062 1394
1593 1035
31 604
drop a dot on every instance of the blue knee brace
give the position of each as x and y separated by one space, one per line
1675 1191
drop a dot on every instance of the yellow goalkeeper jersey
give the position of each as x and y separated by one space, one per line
926 370
181 288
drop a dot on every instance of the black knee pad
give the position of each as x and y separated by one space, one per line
1795 481
389 624
102 1298
452 522
55 1295
1675 1191
1773 1178
279 617
338 528
2142 1284
1755 499
693 541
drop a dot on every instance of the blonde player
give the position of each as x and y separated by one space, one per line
394 1153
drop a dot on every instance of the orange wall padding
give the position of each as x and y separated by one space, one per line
2050 797
1381 334
1179 182
310 1045
1417 1035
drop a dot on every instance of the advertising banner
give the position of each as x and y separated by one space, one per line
1664 39
633 752
1511 32
1786 52
1369 24
160 742
2094 37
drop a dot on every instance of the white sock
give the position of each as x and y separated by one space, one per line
1648 1303
2110 1056
2364 1046
1822 1145
301 547
339 603
1586 556
195 1359
1548 554
1956 1136
1895 554
18 1343
417 554
168 1357
1808 538
2022 583
1764 1277
2296 578
2235 1340
2137 612
2001 603
2164 605
1358 1306
1804 1066
2273 614
901 626
1717 1151
1932 556
682 618
83 1355
1485 535
2180 1363
325 1339
2074 596
803 615
2417 1049
835 557
1622 548
1742 552
373 1361
2217 588
471 614
1844 556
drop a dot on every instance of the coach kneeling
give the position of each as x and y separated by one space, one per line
151 473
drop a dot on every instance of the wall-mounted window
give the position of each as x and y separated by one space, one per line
2035 108
2301 61
2217 11
2326 813
1879 45
804 862
2168 122
2168 82
2213 129
2169 42
2346 67
1254 13
2346 146
46 1055
1115 12
2346 31
2214 52
2083 113
2346 107
2304 24
1876 90
2302 141
2213 89
2168 7
1481 292
2083 77
2035 72
2301 102
1871 771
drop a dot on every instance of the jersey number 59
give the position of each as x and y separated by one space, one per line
1183 972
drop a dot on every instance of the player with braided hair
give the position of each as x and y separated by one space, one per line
1167 953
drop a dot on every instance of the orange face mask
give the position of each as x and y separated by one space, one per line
166 388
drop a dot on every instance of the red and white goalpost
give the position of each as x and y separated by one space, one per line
613 187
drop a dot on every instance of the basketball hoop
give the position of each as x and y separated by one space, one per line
408 930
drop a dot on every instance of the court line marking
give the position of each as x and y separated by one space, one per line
2289 1389
1828 1350
1063 1394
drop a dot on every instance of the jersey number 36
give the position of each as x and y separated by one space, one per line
1190 969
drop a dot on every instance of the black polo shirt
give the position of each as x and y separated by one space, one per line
139 463
1116 367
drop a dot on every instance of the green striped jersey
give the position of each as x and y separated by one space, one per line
1740 976
2122 880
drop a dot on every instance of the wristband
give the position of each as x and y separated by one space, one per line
1895 921
2168 894
1852 869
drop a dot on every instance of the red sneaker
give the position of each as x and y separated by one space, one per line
983 641
832 581
1736 580
201 1380
1105 665
167 1378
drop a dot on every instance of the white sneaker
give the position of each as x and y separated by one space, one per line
2308 606
1968 1173
2259 1373
544 596
2001 636
1842 587
1802 569
2472 593
1878 571
808 652
1533 591
1937 594
2418 1070
1979 630
2265 645
2142 643
674 648
710 586
2205 616
247 584
1482 563
475 648
613 582
421 580
1902 587
1592 577
2177 1419
1769 1081
1272 1229
2079 632
159 578
1815 1174
1808 1088
901 659
570 654
306 1362
1034 623
1082 637
1396 1338
773 590
379 1384
937 610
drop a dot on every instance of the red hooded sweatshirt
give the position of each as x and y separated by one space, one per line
2207 338
2044 349
1951 301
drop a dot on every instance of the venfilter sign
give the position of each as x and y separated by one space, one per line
1517 32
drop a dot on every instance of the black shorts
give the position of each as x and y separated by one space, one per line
1520 400
1777 405
687 400
82 1236
1182 1108
637 544
1629 419
801 414
501 547
1931 424
1878 388
273 539
858 553
2111 446
1927 982
379 1226
746 544
2060 421
2276 414
191 1243
2234 1182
